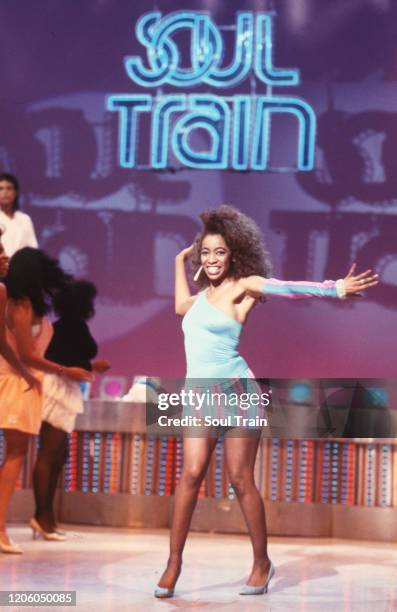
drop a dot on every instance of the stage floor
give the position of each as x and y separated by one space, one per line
116 570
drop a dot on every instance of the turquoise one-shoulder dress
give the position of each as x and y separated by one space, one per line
212 339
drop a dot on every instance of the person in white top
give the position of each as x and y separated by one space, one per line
17 227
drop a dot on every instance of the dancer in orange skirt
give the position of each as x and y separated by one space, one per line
32 281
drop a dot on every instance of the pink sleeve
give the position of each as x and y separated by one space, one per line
299 289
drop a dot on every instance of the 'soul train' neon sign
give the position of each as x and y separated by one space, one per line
238 126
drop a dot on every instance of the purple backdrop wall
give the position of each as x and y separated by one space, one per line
122 228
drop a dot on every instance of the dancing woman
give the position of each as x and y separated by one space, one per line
6 351
232 266
71 345
32 282
9 359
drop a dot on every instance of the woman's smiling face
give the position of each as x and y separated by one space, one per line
215 257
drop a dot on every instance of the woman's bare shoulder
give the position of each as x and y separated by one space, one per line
247 281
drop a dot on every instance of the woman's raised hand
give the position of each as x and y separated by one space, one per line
356 283
185 253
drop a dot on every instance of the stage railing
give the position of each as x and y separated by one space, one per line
114 463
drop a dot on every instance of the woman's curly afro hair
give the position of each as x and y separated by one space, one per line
244 239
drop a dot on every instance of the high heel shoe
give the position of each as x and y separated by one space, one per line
11 548
47 535
60 531
163 592
258 590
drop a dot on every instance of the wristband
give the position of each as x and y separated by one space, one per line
340 289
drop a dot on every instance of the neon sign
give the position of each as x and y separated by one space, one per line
237 127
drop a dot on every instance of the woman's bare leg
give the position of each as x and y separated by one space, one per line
49 463
196 456
16 449
240 454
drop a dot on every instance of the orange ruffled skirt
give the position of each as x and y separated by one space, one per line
20 407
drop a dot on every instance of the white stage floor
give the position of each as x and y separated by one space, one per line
116 570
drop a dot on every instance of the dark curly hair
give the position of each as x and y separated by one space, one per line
249 255
35 275
76 300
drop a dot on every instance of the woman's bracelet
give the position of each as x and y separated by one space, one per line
340 289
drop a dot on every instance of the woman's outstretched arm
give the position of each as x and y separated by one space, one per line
350 286
183 297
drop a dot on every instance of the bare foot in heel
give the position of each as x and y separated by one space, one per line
258 582
259 573
7 545
4 539
168 580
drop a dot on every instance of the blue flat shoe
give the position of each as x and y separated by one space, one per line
163 592
258 590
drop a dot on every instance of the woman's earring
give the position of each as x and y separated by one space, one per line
196 276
